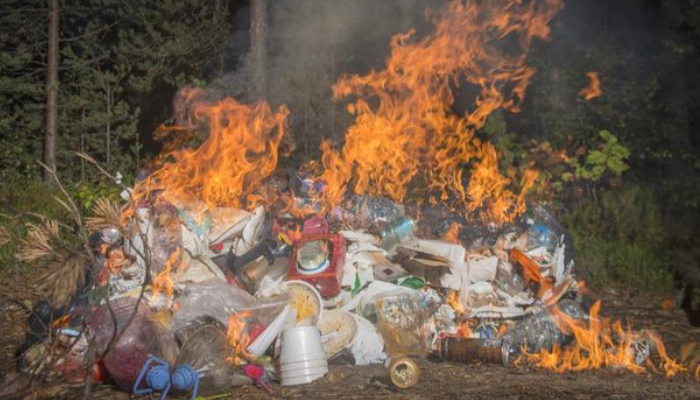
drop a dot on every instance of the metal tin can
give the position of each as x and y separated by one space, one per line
404 373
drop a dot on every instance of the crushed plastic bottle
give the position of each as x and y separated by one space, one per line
204 366
539 331
139 360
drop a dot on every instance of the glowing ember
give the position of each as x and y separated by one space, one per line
593 89
598 345
238 339
412 130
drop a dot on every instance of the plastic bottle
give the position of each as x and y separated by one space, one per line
139 360
204 366
539 331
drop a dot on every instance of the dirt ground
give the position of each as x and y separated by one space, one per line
438 380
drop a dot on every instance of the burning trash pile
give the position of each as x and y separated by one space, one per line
247 297
225 270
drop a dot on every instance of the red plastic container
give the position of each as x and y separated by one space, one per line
328 281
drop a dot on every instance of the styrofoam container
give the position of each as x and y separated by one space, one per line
301 343
311 289
300 381
303 364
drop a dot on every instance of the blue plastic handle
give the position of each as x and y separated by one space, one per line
157 378
185 377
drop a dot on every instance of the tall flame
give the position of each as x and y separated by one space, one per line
404 125
242 149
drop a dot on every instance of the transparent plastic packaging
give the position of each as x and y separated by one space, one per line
141 340
204 366
214 298
546 231
539 331
402 322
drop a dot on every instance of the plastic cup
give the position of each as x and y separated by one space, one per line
303 365
300 381
302 343
304 373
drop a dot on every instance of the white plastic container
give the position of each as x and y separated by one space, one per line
302 359
304 365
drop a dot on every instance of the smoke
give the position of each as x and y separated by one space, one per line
311 43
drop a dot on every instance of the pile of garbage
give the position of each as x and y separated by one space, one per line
201 301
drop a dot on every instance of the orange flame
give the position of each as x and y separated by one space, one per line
452 234
241 150
593 89
452 300
600 344
163 282
531 271
238 339
410 128
463 330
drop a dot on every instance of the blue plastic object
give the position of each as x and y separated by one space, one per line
157 378
185 378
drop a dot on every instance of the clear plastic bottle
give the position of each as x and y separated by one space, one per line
139 360
204 366
539 331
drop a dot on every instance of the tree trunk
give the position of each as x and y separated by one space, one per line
258 48
109 124
52 91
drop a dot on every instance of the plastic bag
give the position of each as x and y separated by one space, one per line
214 298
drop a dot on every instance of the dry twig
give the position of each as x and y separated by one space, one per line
40 241
107 215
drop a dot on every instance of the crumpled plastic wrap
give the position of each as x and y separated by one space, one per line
367 347
215 298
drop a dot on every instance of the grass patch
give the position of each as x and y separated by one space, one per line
621 240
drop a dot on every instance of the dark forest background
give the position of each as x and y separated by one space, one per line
622 171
